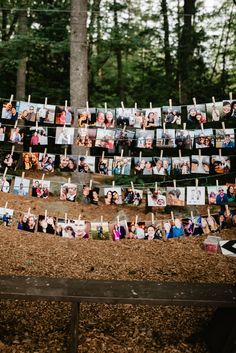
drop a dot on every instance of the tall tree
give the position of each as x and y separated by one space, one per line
166 45
22 63
78 54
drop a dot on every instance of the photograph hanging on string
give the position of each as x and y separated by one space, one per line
192 226
200 164
86 137
227 111
27 111
139 119
27 222
123 140
94 196
2 132
5 183
136 230
214 111
41 188
30 160
156 197
152 118
210 224
162 166
175 196
133 196
125 117
165 138
21 186
105 118
105 138
204 138
113 195
220 164
145 138
45 114
121 165
143 166
217 195
225 138
9 160
68 192
67 163
71 229
184 139
103 165
153 230
9 111
173 228
86 117
118 230
46 224
16 135
38 136
181 166
196 114
64 115
46 162
195 195
231 192
64 135
100 231
172 115
86 164
6 216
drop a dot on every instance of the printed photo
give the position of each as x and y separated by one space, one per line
225 138
118 231
195 195
231 192
200 164
105 119
139 119
27 111
204 138
64 135
27 222
64 115
136 230
123 139
105 138
172 115
16 135
217 195
86 117
192 226
226 109
6 215
113 196
68 192
152 118
9 111
145 139
165 139
72 229
173 229
86 137
125 117
46 162
210 225
2 132
175 197
157 197
46 224
30 160
100 231
220 164
86 164
9 160
68 163
162 166
21 186
38 136
94 196
153 231
181 166
45 113
133 196
5 184
143 166
121 165
196 113
104 165
41 188
214 111
184 139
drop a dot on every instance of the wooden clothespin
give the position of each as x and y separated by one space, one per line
86 152
29 98
161 155
30 149
136 220
194 102
65 152
16 122
45 152
170 104
79 218
227 210
132 186
202 127
66 219
140 156
12 149
65 104
220 155
105 106
122 106
223 125
208 212
217 183
174 183
153 220
22 176
155 186
69 180
87 106
101 219
121 153
45 102
164 128
118 220
11 98
184 126
124 127
199 152
5 172
43 176
230 96
135 106
180 155
113 183
213 101
6 204
45 214
36 125
196 184
90 183
150 105
28 212
103 154
172 216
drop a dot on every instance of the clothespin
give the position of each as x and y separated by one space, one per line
90 183
45 102
124 128
217 183
118 220
105 105
6 204
65 104
101 219
174 183
227 210
28 212
113 183
220 152
12 149
103 154
5 172
164 128
86 152
199 152
230 96
155 186
170 104
45 152
29 98
69 180
22 176
45 214
194 102
122 106
161 154
140 156
180 156
150 105
223 125
135 106
121 153
152 214
172 216
16 122
196 183
213 101
11 98
65 152
66 220
202 127
36 125
184 126
132 186
87 106
136 220
43 177
79 218
208 212
30 149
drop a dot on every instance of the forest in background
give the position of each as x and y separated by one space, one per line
138 51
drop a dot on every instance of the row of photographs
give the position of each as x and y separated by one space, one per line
117 165
109 118
159 196
110 139
156 230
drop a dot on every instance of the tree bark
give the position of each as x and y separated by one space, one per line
22 66
78 54
168 66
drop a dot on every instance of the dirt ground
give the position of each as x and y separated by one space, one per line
44 327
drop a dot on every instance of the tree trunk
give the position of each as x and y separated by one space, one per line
21 70
78 54
166 46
